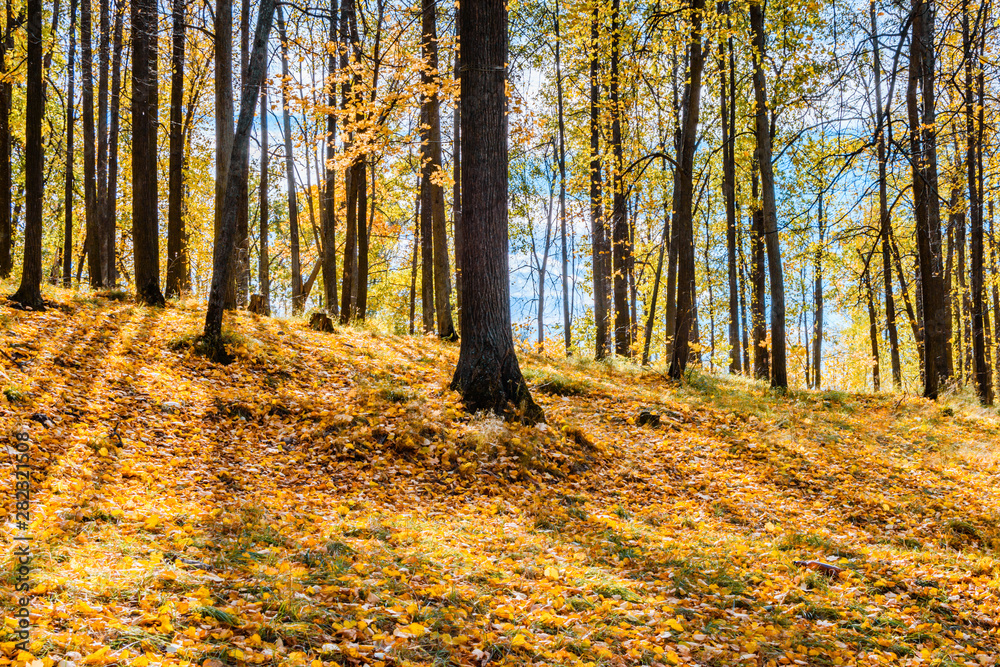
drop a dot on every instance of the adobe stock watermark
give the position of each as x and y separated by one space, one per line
22 539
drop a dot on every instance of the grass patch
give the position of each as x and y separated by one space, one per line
556 384
15 394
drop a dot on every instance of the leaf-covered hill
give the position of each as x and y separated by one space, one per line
324 500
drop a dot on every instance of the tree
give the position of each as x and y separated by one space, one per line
779 375
145 224
222 264
6 182
684 199
264 258
67 249
621 248
600 243
487 375
29 293
92 211
298 302
329 218
727 114
177 268
223 41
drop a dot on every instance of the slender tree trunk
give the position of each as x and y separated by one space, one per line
600 244
996 293
223 121
293 204
264 257
758 280
427 301
415 259
743 299
6 182
872 331
884 218
651 315
437 265
361 281
242 269
487 375
684 199
175 219
29 293
110 213
330 188
567 315
619 223
222 264
543 269
67 249
817 347
91 204
456 192
145 225
779 375
729 192
984 385
348 294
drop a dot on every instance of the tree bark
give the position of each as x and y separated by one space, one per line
923 139
415 259
293 204
487 375
817 347
758 280
145 225
264 256
727 99
600 244
567 315
222 256
29 293
872 331
456 192
92 211
242 269
176 264
110 213
67 249
223 120
684 199
621 248
779 374
329 219
109 276
6 182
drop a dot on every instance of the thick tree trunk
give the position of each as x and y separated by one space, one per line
92 211
293 203
923 139
29 293
600 244
109 276
487 375
67 248
684 199
348 295
176 264
145 224
223 120
779 374
621 248
885 221
264 256
437 264
329 219
456 192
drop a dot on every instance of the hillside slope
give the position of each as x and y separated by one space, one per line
324 500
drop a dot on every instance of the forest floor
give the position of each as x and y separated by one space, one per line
324 500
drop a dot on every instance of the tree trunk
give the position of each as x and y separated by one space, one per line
779 375
145 225
456 192
651 315
110 213
223 120
264 257
567 315
817 347
348 295
758 278
872 331
6 182
487 375
67 249
619 223
923 139
91 205
684 199
437 269
743 299
293 204
427 301
108 277
415 259
242 269
361 280
176 266
29 293
885 221
329 219
984 385
222 264
600 245
727 98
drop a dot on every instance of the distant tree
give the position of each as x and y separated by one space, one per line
487 375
